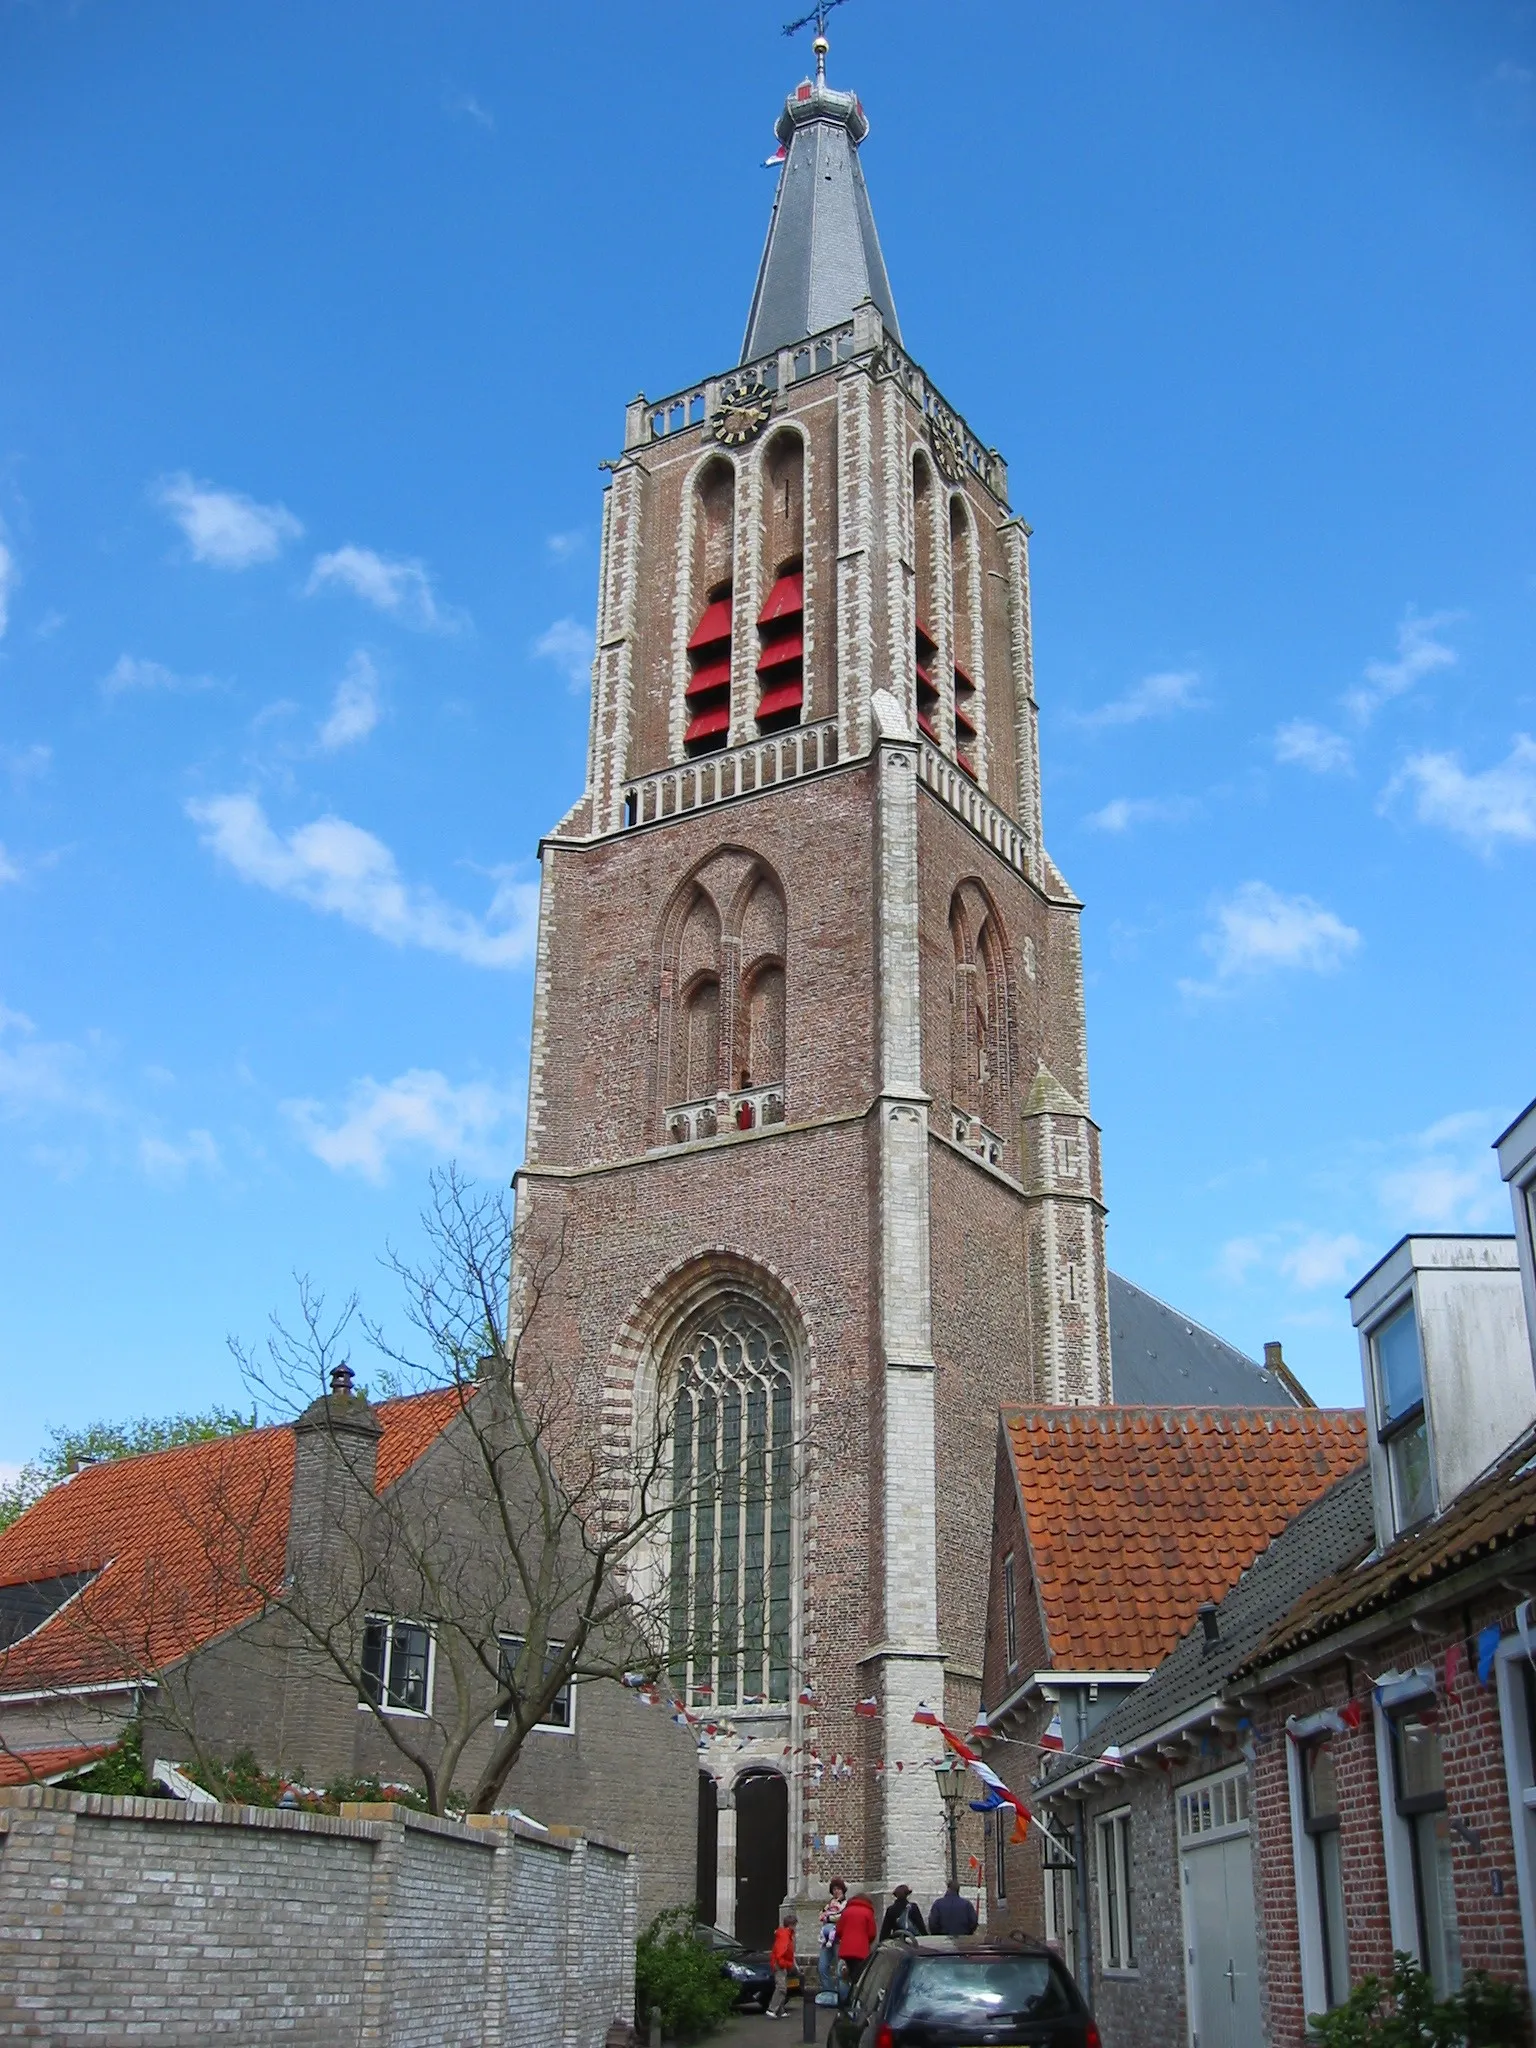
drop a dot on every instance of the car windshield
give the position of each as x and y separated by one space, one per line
946 1990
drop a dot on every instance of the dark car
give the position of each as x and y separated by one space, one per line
748 1968
934 1992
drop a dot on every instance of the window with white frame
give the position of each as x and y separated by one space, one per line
1117 1915
1320 1824
1419 1802
1401 1427
1010 1620
1213 1804
397 1665
560 1714
1059 1877
1517 1715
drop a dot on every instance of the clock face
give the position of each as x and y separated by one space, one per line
948 445
744 411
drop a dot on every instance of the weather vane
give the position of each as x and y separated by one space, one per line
818 15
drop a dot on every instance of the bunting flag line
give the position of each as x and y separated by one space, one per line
1052 1738
868 1709
925 1717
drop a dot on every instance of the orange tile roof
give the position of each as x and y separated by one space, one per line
1136 1515
42 1766
184 1543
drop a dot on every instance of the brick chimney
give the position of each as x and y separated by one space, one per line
335 1458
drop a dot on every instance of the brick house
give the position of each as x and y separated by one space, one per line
1393 1709
202 1589
1111 1527
1156 1807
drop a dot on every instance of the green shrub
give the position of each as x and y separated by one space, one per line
677 1972
119 1774
1484 2013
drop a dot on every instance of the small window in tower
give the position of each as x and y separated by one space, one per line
781 662
709 681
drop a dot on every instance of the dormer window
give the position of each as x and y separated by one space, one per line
1400 1420
927 688
781 663
708 694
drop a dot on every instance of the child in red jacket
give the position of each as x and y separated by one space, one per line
782 1958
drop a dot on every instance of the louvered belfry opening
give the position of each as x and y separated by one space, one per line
965 720
927 688
781 663
709 679
963 597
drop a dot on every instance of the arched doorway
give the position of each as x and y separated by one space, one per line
706 1897
762 1855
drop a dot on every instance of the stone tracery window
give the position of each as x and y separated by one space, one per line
732 1475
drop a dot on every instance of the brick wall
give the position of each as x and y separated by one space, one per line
145 1919
1477 1797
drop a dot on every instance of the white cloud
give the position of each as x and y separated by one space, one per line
38 1075
167 1164
1419 654
131 672
1445 1177
466 104
402 587
355 707
1492 807
419 1111
1303 745
1238 1257
1258 930
1155 696
563 545
8 580
1122 812
226 529
337 867
1323 1261
9 872
568 644
26 764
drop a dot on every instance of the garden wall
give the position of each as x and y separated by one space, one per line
163 1922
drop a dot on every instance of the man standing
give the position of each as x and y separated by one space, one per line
952 1914
902 1916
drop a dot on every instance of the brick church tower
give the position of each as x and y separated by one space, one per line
808 1109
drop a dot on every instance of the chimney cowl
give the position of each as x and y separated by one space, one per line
342 1378
1210 1620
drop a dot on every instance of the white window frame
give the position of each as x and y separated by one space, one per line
1112 1836
1309 1904
1221 1790
383 1704
1396 1832
1060 1929
566 1727
1386 1432
1520 1775
1010 1618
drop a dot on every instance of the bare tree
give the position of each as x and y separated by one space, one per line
530 1554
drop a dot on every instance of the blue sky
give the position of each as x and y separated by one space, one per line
318 322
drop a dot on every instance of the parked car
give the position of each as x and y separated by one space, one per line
748 1968
970 1993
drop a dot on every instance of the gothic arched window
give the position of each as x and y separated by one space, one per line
732 1474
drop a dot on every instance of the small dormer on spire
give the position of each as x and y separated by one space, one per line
822 256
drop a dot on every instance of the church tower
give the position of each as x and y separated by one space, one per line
808 1103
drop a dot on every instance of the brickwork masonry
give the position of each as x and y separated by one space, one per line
148 1920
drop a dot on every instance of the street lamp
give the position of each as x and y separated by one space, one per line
951 1779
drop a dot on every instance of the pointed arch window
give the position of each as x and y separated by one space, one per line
732 1473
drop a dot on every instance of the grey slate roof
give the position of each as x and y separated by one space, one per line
1160 1358
1337 1528
822 255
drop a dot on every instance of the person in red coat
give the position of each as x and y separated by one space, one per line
855 1937
782 1958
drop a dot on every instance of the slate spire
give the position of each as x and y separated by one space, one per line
823 255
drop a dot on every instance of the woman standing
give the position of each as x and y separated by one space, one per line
826 1954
